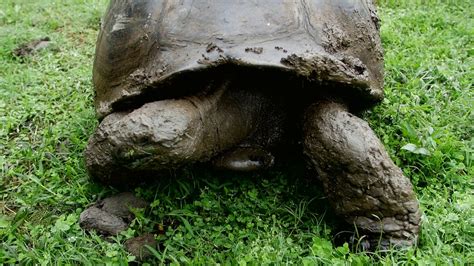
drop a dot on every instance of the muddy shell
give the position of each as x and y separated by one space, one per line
146 47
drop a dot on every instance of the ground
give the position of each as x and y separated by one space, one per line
46 117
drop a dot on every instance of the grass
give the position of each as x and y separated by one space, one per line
46 116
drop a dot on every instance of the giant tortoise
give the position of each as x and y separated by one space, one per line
239 85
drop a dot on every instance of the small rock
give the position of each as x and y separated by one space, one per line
120 204
137 246
103 222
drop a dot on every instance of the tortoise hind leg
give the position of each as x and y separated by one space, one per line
363 184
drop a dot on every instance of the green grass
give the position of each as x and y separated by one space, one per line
46 116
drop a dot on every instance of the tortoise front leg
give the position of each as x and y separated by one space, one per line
361 181
167 134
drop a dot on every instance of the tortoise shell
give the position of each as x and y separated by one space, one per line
146 48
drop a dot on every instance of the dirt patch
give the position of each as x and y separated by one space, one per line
27 49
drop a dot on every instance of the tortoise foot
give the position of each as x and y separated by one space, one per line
390 232
362 183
